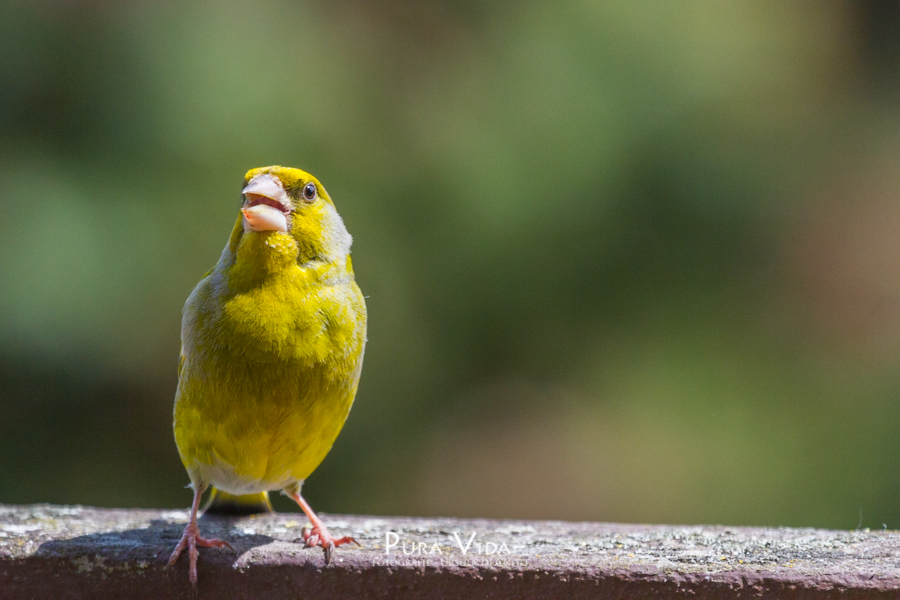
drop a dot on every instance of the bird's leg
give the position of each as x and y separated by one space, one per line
318 535
191 539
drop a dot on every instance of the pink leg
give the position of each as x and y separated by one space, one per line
319 535
191 539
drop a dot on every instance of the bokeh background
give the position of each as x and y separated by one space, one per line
624 261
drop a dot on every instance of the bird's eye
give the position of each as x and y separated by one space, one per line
309 192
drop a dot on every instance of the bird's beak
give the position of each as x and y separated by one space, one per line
264 218
266 205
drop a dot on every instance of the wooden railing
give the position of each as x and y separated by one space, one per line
58 552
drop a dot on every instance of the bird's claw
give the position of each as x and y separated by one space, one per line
319 536
191 539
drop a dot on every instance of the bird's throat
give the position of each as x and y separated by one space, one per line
262 255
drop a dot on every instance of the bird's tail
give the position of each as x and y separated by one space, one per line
223 503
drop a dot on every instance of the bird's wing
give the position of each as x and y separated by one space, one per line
181 353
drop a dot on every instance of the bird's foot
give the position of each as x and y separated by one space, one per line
319 536
191 540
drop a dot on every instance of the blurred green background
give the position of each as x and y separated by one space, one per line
624 261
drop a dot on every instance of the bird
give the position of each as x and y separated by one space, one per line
272 344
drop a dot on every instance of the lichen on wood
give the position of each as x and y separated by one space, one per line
75 552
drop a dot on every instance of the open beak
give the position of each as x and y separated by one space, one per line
266 205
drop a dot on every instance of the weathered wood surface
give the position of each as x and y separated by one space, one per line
78 552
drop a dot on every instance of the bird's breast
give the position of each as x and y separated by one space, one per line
269 377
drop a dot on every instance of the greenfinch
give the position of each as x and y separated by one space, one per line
272 342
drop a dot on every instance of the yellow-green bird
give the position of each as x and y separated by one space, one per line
272 342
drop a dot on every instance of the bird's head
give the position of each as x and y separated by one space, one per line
293 202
